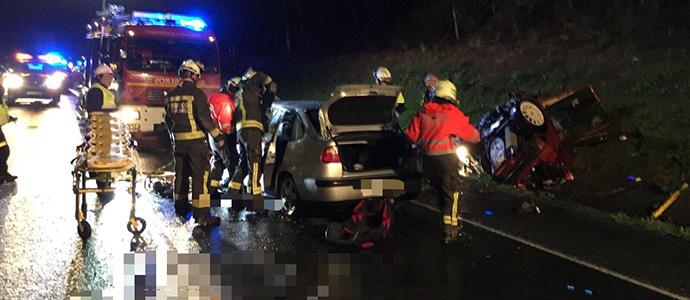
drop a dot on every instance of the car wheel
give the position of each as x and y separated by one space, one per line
529 116
288 193
496 153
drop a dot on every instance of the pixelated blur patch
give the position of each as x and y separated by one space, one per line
381 187
275 275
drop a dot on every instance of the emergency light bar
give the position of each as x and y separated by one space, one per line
23 57
167 19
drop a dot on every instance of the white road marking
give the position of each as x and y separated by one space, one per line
565 256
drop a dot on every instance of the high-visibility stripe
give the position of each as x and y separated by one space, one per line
431 143
190 112
250 124
205 186
213 183
439 152
214 132
446 220
182 136
235 185
256 189
3 144
181 98
454 216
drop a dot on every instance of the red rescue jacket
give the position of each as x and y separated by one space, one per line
435 126
222 109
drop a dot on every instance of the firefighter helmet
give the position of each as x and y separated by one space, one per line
188 68
102 69
382 74
249 74
445 89
234 82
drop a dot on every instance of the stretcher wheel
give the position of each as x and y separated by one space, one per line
137 231
85 233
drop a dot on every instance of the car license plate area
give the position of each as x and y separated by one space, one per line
34 93
381 187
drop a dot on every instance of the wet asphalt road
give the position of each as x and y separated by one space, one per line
41 256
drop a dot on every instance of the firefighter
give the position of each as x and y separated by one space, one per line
188 119
99 97
383 77
430 81
258 93
434 129
222 111
5 176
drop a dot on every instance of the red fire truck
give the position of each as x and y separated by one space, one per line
145 50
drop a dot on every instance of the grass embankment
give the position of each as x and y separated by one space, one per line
645 88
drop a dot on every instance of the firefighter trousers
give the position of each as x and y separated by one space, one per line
250 153
224 158
442 173
4 153
191 160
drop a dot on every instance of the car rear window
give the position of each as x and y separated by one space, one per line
362 110
313 116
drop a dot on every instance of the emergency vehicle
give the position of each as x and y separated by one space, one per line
145 50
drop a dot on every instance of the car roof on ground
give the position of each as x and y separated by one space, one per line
302 104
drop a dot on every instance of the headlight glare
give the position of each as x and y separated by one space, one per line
12 81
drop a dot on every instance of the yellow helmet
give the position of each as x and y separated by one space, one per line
189 66
446 90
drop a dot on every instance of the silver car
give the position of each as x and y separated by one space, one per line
346 148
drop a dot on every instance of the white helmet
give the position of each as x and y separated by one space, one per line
249 74
446 90
102 69
189 66
382 74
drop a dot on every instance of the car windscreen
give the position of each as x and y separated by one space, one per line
362 110
166 55
33 67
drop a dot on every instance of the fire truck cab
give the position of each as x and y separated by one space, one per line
145 50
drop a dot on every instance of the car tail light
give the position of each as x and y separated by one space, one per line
330 155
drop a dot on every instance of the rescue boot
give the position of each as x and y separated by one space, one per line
182 208
453 235
203 217
7 177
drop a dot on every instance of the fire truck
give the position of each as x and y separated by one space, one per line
145 50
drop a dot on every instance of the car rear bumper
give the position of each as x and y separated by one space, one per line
32 92
355 189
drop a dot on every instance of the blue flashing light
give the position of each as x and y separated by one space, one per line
589 292
195 24
571 287
53 59
161 19
488 212
34 67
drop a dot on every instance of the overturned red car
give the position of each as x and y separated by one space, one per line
529 142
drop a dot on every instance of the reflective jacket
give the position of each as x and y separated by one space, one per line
253 102
187 114
222 110
99 98
434 128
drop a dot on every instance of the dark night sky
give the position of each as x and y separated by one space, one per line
251 26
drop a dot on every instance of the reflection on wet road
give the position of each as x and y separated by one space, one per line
41 256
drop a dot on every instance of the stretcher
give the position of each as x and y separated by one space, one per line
106 154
